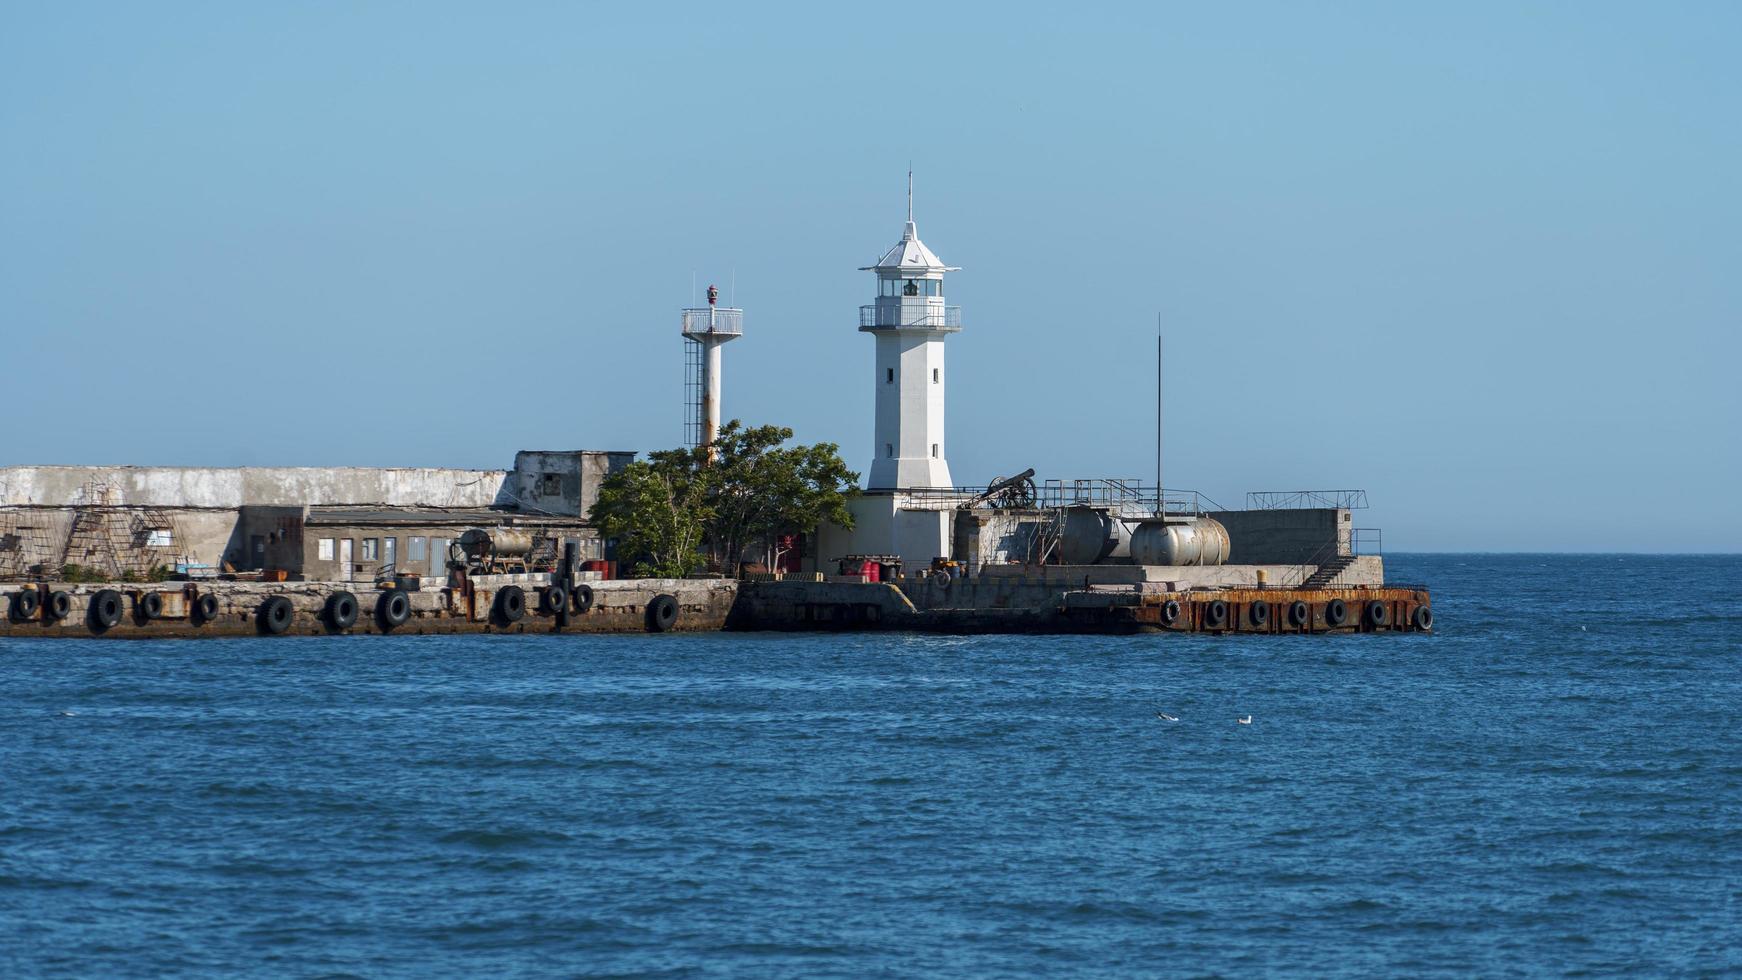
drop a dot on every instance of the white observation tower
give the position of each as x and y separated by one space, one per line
910 321
704 331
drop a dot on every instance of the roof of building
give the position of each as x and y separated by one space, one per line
342 516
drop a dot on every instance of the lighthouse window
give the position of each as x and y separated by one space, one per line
934 450
934 376
934 288
888 376
889 449
910 289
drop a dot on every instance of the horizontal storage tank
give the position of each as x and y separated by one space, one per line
1088 536
507 542
1204 541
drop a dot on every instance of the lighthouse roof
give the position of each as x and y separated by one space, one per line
910 254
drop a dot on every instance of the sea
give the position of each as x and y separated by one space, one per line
1549 784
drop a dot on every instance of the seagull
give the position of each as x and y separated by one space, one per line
1244 719
1164 716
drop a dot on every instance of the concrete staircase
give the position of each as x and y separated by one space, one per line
1327 572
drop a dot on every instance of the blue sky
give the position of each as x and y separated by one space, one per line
1479 259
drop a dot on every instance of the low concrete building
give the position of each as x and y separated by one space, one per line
346 544
207 517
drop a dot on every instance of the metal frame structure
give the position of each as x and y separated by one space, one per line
1306 499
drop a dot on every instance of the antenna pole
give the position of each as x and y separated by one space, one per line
1160 498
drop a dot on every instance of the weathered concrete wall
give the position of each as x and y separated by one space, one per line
564 483
232 487
1279 537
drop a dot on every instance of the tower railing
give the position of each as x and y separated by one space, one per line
889 316
714 320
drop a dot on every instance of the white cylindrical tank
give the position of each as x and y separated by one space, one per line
1088 536
1204 541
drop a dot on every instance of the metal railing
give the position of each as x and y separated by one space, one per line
869 316
1107 492
714 320
1306 499
1366 541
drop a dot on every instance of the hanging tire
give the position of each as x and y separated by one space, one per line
1258 614
661 613
1299 613
58 607
1423 618
1377 613
1216 615
149 605
275 615
206 608
510 603
942 579
24 605
105 609
341 610
1336 614
555 599
1170 612
392 609
582 598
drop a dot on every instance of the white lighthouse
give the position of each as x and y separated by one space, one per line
910 321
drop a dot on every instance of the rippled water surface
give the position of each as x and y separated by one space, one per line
1552 783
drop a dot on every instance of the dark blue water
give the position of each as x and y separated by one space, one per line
1551 784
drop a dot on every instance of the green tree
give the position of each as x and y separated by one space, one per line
752 492
655 510
761 489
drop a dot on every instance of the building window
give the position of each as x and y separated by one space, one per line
888 376
371 549
159 538
550 484
417 547
934 376
324 550
889 449
934 450
390 551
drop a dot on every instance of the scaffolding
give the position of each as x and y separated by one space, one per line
28 546
116 541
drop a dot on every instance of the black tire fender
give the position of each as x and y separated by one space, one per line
555 599
510 603
149 605
105 609
24 605
1377 613
942 579
58 607
393 608
275 615
1216 614
1299 613
582 597
206 608
1170 612
1258 614
661 613
1423 618
340 611
1336 614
